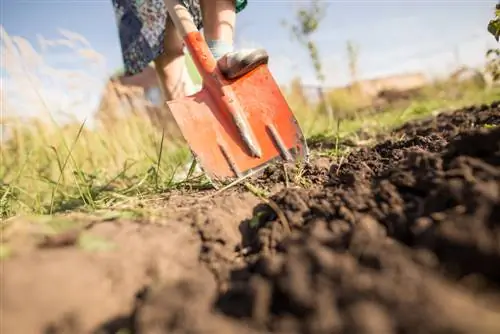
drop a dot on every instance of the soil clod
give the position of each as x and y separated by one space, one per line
401 237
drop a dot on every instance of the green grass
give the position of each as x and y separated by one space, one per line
116 166
48 169
391 117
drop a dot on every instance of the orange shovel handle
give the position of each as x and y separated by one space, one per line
202 57
213 80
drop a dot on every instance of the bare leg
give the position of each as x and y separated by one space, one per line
170 65
219 19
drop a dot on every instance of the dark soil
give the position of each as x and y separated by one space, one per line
402 237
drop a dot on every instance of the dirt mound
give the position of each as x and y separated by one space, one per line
87 274
403 237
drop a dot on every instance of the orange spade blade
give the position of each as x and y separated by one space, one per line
216 141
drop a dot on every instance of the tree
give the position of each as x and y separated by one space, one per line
493 55
353 57
494 24
307 21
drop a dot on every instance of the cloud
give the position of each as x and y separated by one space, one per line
75 37
92 56
34 87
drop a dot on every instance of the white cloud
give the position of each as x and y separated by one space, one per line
74 37
32 87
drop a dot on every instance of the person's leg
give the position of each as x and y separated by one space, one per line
219 17
219 20
170 65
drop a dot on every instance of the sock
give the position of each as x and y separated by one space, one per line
219 48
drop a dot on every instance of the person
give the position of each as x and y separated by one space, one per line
147 33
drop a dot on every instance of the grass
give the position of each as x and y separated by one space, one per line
48 167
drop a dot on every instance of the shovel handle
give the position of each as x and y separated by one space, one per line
181 17
206 64
195 43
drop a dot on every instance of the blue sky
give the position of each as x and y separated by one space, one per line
392 36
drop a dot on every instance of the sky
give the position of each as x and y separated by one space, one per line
391 36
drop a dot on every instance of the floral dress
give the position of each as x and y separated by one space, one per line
141 27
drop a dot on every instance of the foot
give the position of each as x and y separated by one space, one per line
238 63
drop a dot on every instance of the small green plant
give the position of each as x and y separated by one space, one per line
494 24
493 55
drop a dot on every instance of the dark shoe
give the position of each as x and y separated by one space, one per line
238 63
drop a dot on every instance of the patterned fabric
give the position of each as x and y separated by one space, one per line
141 27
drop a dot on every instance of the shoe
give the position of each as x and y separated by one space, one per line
238 63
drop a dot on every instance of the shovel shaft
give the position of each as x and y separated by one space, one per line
199 51
213 80
181 17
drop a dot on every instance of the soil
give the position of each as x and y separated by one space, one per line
401 237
